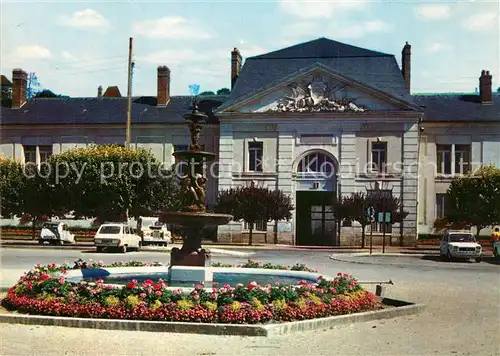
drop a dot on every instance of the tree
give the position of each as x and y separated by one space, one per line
355 207
475 198
223 91
498 90
47 93
279 208
207 93
252 204
11 182
110 182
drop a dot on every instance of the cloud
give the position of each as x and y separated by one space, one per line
312 9
85 19
172 56
32 52
433 11
68 56
437 47
170 27
361 29
300 29
482 21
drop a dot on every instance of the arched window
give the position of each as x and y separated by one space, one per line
316 162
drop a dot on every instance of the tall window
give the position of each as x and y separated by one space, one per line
462 159
444 159
379 156
30 154
255 150
260 225
442 205
45 153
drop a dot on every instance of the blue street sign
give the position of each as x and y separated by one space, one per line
382 218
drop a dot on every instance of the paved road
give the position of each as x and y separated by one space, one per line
462 316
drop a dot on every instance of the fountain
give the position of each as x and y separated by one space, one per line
193 215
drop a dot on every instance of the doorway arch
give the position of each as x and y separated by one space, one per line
315 174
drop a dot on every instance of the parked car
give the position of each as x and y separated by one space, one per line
460 244
153 232
116 236
56 233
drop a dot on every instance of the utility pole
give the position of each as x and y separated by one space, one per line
129 92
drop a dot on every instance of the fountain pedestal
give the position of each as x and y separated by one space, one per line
193 216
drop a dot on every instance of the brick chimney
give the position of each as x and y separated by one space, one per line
236 61
19 86
485 92
406 65
99 92
163 86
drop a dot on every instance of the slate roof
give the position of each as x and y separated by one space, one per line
458 107
52 111
375 69
5 82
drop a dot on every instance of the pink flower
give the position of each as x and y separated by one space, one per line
252 285
61 280
158 292
143 295
196 297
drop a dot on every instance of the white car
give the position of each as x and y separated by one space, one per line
153 231
460 244
56 233
116 236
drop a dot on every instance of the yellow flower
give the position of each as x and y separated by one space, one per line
132 301
184 304
280 304
257 304
210 306
315 299
111 301
236 306
157 304
301 303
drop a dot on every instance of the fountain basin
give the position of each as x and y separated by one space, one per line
194 155
195 218
186 278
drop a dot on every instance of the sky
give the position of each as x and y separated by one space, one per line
73 47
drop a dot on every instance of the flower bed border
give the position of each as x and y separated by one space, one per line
399 308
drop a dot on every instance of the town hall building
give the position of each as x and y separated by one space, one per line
318 120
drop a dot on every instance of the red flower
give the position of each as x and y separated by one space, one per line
252 285
44 277
132 284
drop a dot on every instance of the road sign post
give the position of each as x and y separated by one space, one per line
371 213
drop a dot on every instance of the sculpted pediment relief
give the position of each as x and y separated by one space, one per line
316 95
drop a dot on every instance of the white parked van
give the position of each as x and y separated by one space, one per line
116 236
153 232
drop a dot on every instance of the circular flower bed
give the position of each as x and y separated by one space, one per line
42 292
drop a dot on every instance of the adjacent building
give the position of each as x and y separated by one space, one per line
318 120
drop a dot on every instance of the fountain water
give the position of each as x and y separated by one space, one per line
193 215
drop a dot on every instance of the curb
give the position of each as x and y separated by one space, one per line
402 308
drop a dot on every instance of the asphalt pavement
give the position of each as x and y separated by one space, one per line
462 314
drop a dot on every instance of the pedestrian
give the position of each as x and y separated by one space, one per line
495 235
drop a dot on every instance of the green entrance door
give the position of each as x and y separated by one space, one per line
316 225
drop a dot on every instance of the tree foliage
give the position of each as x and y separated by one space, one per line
47 93
252 204
355 207
475 199
11 183
223 91
110 182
